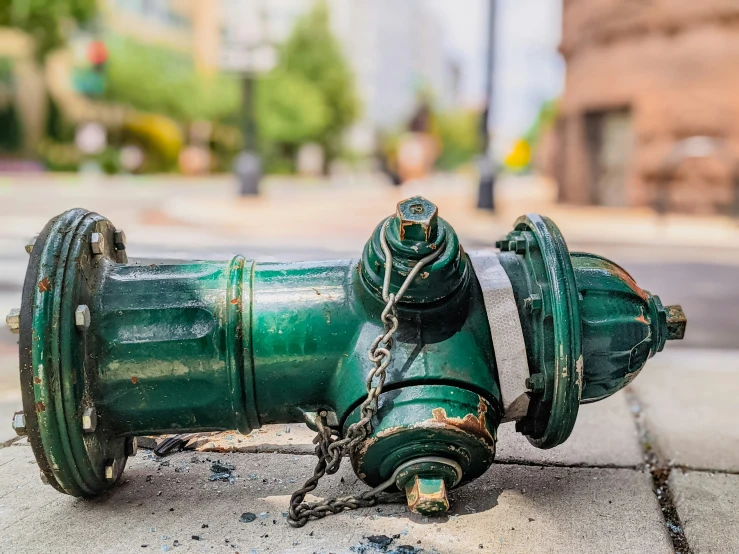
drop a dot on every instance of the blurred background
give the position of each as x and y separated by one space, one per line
286 129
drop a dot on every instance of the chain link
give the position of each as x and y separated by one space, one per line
330 448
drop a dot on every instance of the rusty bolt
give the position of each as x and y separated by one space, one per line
29 245
418 219
97 243
131 446
119 239
426 495
535 383
89 420
13 320
532 303
82 317
676 322
19 423
44 478
110 470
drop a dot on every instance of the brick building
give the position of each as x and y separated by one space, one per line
642 77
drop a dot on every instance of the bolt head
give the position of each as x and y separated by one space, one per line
89 420
418 219
97 244
44 478
676 322
13 320
82 317
29 245
119 239
110 470
426 495
131 447
533 303
535 383
19 423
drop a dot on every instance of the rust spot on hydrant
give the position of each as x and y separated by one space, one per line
470 423
235 301
44 285
134 379
40 407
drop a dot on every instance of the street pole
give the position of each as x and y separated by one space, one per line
248 164
486 164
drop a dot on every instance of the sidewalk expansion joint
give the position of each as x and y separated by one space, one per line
660 471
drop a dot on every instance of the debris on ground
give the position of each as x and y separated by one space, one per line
383 544
247 517
222 471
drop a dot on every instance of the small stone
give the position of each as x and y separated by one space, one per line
381 541
204 526
247 517
196 537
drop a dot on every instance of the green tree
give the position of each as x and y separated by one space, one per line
312 53
45 19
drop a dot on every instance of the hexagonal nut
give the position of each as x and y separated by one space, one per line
97 244
29 245
19 423
89 420
44 478
676 322
533 303
119 239
110 471
82 317
131 447
418 219
13 320
427 495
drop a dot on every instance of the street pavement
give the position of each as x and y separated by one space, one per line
655 469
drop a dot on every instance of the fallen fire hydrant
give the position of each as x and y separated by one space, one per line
407 359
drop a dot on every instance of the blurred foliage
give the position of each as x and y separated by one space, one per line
521 154
290 110
519 157
156 79
59 156
545 120
459 134
160 137
11 131
44 20
313 54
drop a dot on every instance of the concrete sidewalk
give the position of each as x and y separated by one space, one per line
652 470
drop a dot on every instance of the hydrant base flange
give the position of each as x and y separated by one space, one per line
57 375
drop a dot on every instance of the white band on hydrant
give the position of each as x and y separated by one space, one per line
505 328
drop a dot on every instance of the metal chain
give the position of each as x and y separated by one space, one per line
329 447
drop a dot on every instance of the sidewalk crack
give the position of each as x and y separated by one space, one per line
660 471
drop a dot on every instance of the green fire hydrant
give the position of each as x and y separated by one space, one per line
407 359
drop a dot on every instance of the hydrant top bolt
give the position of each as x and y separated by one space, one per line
13 320
676 322
418 219
19 423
